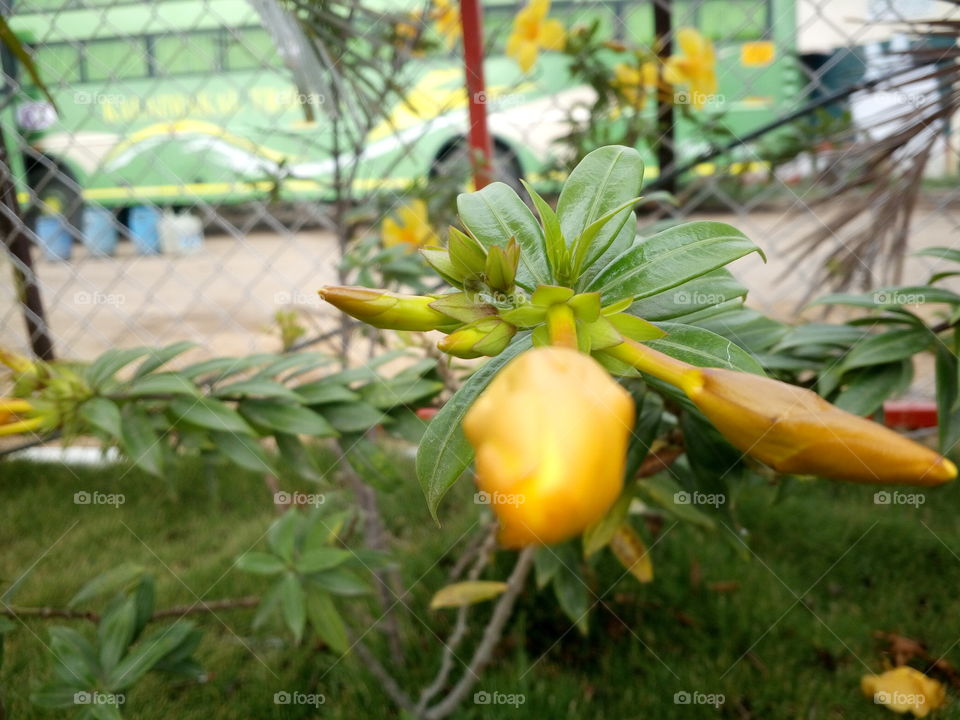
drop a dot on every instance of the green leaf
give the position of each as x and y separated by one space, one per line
598 536
140 441
10 41
54 695
295 454
751 330
635 328
444 452
322 558
209 413
948 390
387 394
260 563
327 622
115 633
286 418
494 215
942 253
671 258
282 535
257 387
702 292
546 564
341 581
704 348
865 394
468 592
242 450
603 181
554 242
159 384
110 363
353 417
77 662
887 347
662 490
293 603
571 590
147 653
219 369
114 580
102 414
323 392
160 357
821 334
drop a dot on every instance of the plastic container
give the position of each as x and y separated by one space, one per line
181 234
143 222
99 231
54 237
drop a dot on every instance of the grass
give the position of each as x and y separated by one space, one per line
787 632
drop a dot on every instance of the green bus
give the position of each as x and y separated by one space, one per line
175 102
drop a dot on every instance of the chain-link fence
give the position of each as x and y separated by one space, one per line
207 164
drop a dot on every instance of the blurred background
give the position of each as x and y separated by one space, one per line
201 166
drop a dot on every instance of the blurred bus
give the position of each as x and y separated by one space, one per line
175 102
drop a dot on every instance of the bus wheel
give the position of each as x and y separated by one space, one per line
54 192
454 161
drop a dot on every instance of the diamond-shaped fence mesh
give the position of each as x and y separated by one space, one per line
186 184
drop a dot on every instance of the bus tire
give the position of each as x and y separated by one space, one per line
53 187
454 157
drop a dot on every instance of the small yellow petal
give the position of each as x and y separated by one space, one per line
552 35
527 56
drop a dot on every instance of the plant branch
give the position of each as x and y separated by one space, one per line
176 611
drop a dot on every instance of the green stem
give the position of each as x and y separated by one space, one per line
653 362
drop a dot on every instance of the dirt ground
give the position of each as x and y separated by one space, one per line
226 295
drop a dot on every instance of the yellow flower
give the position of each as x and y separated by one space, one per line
695 66
904 689
413 230
383 309
446 13
633 82
532 30
17 416
550 434
791 429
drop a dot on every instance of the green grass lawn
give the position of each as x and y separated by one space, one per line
787 633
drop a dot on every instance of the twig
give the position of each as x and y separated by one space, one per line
491 636
175 611
389 685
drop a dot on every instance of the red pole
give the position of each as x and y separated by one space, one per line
481 149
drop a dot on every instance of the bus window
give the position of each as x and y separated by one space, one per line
186 53
57 63
116 59
733 20
249 49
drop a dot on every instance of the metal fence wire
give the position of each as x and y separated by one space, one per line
200 166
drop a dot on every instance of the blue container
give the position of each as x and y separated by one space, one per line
144 221
99 231
54 237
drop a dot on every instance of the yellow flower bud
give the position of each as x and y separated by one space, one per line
16 417
487 336
16 362
383 309
791 429
904 689
550 434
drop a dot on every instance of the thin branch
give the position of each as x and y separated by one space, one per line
389 685
491 636
176 611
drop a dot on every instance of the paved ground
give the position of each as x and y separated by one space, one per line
226 295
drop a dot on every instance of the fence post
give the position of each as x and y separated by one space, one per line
666 131
481 149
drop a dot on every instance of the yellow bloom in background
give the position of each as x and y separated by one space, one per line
446 13
903 690
413 229
533 31
550 434
694 67
634 83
